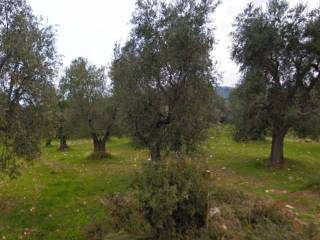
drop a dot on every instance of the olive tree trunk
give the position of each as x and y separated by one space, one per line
277 148
99 145
155 152
155 144
63 143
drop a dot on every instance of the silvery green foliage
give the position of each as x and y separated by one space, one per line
27 66
282 45
164 76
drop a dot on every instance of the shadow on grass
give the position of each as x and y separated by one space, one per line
100 156
313 185
289 164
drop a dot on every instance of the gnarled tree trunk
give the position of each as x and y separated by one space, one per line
99 144
63 143
277 148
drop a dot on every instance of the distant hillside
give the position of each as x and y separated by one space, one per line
223 91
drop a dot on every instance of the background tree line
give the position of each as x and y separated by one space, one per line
161 88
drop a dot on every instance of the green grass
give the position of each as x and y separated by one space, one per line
58 196
244 166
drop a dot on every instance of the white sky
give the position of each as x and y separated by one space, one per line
90 28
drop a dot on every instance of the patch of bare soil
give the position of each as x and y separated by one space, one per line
292 203
6 206
57 166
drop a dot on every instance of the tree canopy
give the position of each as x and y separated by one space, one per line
28 63
164 76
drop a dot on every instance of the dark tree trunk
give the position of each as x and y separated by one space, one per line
63 143
155 152
177 145
99 145
277 148
48 142
155 144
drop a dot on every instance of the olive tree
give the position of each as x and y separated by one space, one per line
27 64
90 103
164 76
247 113
49 109
65 122
281 43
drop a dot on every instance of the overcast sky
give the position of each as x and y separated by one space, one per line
90 28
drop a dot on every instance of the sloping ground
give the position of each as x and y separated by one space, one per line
60 195
244 166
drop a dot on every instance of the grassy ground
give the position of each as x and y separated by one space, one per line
244 166
59 195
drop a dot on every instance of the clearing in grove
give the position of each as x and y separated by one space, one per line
58 196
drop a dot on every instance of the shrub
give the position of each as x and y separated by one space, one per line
269 221
9 163
241 216
172 201
268 230
169 201
125 214
173 198
94 231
